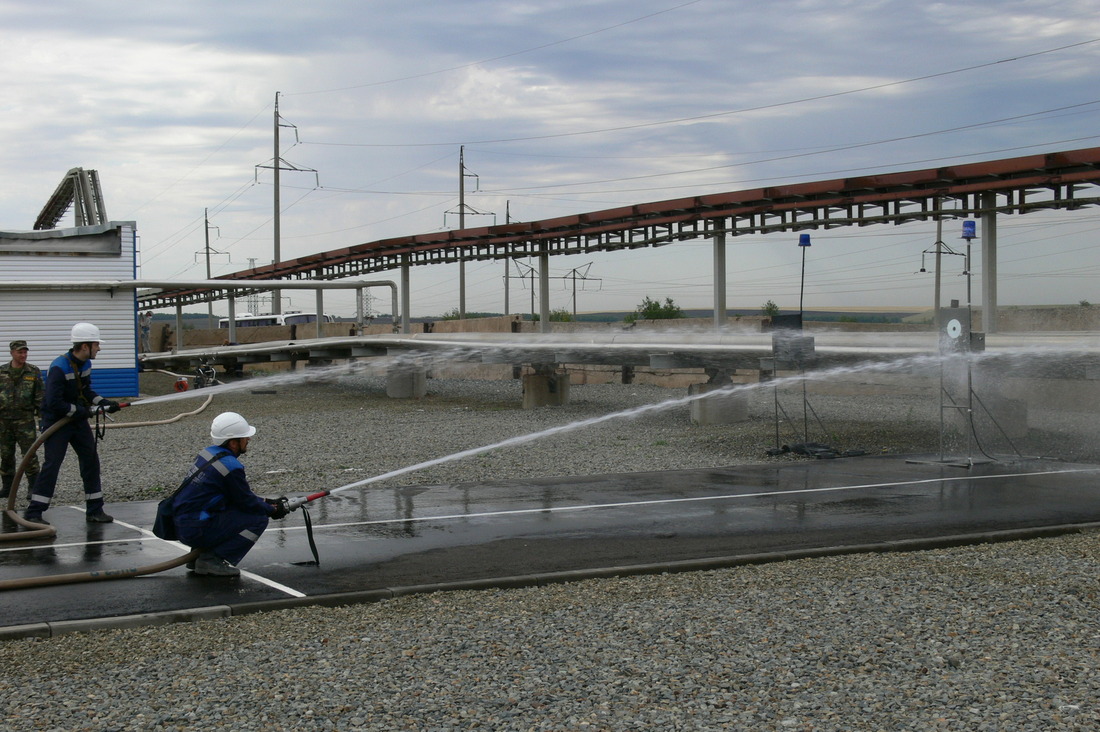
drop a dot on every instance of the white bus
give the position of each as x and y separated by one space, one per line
247 320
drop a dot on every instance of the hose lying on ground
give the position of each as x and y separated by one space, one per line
43 531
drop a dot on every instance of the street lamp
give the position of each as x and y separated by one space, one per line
804 244
969 233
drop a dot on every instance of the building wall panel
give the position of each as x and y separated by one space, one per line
45 318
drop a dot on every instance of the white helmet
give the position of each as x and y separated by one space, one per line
84 332
230 425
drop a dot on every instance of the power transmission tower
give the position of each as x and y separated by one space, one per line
526 271
252 302
581 273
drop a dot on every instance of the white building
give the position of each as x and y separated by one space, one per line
44 317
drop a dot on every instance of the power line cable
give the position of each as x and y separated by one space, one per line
712 115
202 162
497 58
839 148
812 176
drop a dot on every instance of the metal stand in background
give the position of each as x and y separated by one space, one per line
791 351
957 341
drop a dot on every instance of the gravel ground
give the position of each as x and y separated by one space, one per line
989 637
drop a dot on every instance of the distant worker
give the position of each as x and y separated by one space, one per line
69 393
217 511
145 326
20 396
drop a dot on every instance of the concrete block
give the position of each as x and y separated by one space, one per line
721 409
545 389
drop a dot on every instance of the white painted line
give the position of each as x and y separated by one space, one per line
697 499
73 544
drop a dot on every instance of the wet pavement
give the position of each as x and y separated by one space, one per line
547 529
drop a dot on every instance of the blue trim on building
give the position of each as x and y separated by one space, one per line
113 383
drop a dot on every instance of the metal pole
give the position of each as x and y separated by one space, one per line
276 295
937 318
574 273
802 285
206 230
507 261
179 329
320 313
969 366
461 225
989 263
404 294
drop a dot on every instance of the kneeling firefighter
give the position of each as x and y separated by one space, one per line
216 511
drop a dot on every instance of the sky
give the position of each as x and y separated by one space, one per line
560 107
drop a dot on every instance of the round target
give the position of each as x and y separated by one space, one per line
954 328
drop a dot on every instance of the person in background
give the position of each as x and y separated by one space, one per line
20 395
145 327
217 511
69 394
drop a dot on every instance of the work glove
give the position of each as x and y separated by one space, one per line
280 507
108 406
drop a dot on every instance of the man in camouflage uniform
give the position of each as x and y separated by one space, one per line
20 398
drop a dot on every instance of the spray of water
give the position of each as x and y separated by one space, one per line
466 352
904 364
252 384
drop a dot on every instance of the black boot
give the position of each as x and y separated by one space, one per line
6 484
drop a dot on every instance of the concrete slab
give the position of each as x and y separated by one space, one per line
376 543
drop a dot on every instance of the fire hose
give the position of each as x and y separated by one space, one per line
42 531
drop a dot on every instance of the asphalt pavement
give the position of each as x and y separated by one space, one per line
375 543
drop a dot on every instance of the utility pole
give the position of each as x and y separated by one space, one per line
207 253
461 226
462 209
206 231
276 295
522 276
582 274
277 165
507 220
937 316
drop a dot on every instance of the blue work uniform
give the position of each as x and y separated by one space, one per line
68 393
217 511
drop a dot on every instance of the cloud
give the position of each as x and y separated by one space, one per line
173 104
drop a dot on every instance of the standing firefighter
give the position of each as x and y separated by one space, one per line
145 323
217 511
69 394
20 396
